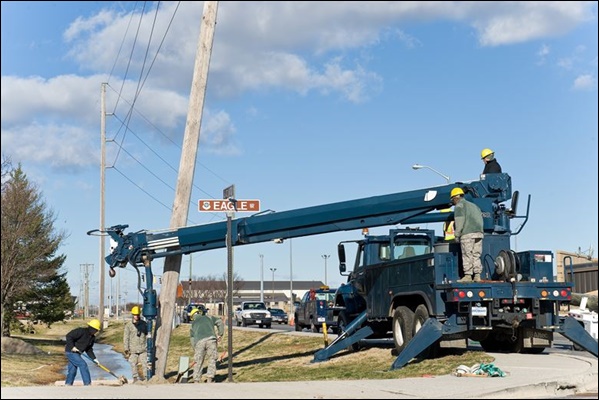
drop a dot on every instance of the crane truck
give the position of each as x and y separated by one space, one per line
403 284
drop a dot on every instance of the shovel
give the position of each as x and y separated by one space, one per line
122 380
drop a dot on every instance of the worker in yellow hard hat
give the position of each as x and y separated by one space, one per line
469 233
81 340
135 344
206 331
491 164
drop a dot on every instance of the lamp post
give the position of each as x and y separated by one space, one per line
290 277
261 277
326 257
273 284
418 166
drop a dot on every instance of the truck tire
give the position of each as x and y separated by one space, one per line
420 317
403 325
314 328
342 321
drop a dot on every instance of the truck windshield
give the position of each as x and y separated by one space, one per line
255 306
325 296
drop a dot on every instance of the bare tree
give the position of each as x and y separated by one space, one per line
29 242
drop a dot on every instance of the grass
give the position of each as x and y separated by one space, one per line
258 356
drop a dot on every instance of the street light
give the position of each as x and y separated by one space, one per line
262 277
418 166
326 257
273 284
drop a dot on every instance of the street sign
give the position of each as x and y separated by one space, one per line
225 205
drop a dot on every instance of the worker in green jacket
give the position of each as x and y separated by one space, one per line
469 232
205 332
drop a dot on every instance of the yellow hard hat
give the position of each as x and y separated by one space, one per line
456 192
135 310
95 323
486 152
194 312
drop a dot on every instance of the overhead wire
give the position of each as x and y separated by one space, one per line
125 123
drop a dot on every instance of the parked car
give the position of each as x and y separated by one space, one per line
279 315
253 313
185 318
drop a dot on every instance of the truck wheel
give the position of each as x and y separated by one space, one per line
342 321
403 325
420 317
315 328
243 323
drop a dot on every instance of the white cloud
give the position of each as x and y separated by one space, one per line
585 82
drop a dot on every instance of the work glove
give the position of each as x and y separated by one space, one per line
127 354
96 361
75 350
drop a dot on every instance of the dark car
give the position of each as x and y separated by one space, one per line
185 314
279 315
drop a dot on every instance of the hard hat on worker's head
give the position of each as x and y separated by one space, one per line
95 323
486 152
456 192
195 311
135 310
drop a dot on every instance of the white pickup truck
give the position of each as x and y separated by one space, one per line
253 313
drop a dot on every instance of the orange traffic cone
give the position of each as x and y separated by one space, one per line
291 322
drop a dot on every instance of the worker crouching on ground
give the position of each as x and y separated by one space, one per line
135 344
204 341
81 340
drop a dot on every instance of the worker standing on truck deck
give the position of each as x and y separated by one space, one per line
204 341
469 233
491 164
448 227
81 340
135 344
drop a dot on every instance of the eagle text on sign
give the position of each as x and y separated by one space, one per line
226 205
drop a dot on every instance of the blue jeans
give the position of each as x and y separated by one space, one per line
76 361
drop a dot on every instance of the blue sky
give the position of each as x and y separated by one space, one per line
306 104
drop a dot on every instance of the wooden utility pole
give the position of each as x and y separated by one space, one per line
172 264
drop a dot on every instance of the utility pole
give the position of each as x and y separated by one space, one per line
172 264
102 189
86 288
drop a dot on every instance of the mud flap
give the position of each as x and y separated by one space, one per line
572 329
431 331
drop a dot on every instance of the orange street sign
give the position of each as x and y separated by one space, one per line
225 205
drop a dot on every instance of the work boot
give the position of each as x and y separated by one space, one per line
209 380
465 279
477 278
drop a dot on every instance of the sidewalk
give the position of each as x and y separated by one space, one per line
528 376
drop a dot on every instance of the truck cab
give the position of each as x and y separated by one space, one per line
315 309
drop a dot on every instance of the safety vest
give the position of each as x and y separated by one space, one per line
448 230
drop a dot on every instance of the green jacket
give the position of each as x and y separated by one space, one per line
203 327
468 218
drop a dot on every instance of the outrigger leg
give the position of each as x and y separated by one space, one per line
348 337
429 333
573 330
